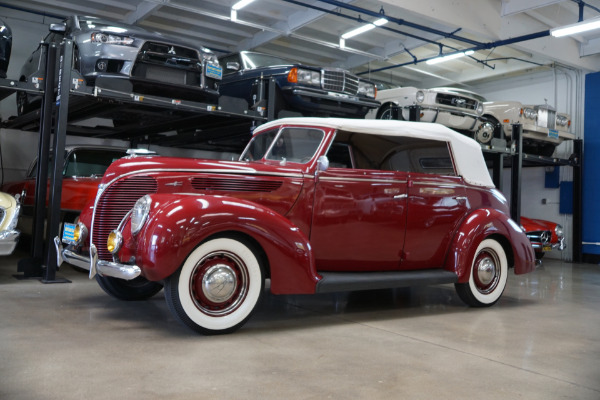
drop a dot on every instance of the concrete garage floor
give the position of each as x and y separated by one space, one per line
541 341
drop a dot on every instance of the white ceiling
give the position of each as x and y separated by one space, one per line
309 31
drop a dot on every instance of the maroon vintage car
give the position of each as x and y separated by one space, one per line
315 205
544 235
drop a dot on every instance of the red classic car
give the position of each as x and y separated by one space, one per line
544 235
315 205
83 169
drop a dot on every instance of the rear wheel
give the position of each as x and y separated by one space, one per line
487 279
218 286
136 289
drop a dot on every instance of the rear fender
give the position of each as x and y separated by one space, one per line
177 224
484 223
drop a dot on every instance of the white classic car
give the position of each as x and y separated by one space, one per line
9 216
543 127
455 109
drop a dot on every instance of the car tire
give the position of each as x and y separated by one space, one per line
136 289
539 255
23 106
386 112
487 277
218 286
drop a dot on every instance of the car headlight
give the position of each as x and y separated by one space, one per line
529 113
107 38
562 120
420 96
139 214
208 55
305 76
480 109
559 230
366 89
80 233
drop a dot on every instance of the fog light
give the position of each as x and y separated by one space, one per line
101 65
114 241
80 233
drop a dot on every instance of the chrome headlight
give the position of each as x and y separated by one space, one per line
480 109
562 120
208 55
309 77
107 38
367 89
139 214
420 96
559 230
529 113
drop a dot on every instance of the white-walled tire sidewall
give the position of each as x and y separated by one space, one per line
492 297
239 315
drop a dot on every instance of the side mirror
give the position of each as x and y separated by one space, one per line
322 164
58 28
234 66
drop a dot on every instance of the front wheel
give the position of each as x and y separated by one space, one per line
488 275
136 289
387 112
218 286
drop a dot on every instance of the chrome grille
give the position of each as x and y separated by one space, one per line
542 237
453 100
546 118
114 203
235 185
341 81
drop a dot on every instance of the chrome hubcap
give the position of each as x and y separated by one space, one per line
219 283
486 271
485 133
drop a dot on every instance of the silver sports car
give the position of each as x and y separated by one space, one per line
151 62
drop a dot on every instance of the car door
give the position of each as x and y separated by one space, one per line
359 214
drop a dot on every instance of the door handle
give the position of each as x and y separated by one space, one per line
400 196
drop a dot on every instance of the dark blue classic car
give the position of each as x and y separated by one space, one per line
301 90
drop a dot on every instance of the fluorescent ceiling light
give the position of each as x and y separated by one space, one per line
364 28
241 4
576 28
454 56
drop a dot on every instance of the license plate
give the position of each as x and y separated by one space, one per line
547 248
214 71
553 133
68 235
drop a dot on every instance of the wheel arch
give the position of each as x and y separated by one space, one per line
284 249
483 224
383 106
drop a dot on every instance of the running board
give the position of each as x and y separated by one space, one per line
349 281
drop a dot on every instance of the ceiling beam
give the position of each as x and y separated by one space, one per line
143 10
294 22
510 7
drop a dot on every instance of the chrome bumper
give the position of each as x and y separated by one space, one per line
8 242
92 264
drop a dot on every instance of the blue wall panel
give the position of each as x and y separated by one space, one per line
591 166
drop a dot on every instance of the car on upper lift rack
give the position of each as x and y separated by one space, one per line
301 90
145 62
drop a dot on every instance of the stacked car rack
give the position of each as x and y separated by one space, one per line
223 126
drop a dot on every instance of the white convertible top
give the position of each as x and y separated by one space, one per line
467 154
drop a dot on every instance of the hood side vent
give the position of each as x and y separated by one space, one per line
235 185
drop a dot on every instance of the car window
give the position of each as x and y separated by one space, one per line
296 145
257 60
390 153
90 162
258 146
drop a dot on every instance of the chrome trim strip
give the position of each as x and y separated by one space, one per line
331 178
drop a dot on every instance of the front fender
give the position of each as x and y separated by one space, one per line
179 223
479 225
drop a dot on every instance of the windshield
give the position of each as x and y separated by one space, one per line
297 145
256 60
